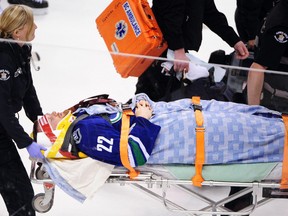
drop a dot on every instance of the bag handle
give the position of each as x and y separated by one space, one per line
141 5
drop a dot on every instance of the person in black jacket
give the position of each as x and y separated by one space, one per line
249 16
181 23
16 91
271 53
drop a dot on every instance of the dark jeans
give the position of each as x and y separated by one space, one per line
15 186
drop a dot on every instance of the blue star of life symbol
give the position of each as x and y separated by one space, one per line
121 30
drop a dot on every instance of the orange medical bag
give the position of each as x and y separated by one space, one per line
131 32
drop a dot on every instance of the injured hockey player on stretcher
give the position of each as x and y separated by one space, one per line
187 131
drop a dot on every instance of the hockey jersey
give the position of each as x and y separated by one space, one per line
100 139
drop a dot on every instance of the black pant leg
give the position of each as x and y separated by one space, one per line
16 188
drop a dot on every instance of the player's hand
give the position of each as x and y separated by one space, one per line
143 109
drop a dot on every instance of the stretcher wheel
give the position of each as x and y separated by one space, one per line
40 174
37 203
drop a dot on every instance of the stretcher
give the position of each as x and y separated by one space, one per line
263 180
168 168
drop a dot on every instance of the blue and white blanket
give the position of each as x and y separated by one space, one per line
234 133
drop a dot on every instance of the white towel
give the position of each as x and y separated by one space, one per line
196 70
79 178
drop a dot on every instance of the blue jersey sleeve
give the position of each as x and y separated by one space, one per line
141 140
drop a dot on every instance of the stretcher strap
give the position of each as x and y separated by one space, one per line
124 143
284 180
197 179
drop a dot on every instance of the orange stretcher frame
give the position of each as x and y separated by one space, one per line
131 32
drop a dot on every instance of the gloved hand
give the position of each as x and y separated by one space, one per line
34 150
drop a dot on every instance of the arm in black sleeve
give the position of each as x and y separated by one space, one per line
31 104
170 15
8 119
217 22
249 15
269 41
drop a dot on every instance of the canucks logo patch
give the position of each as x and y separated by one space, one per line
77 136
121 29
4 75
281 37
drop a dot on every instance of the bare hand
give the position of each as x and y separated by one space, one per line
143 109
241 50
183 64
